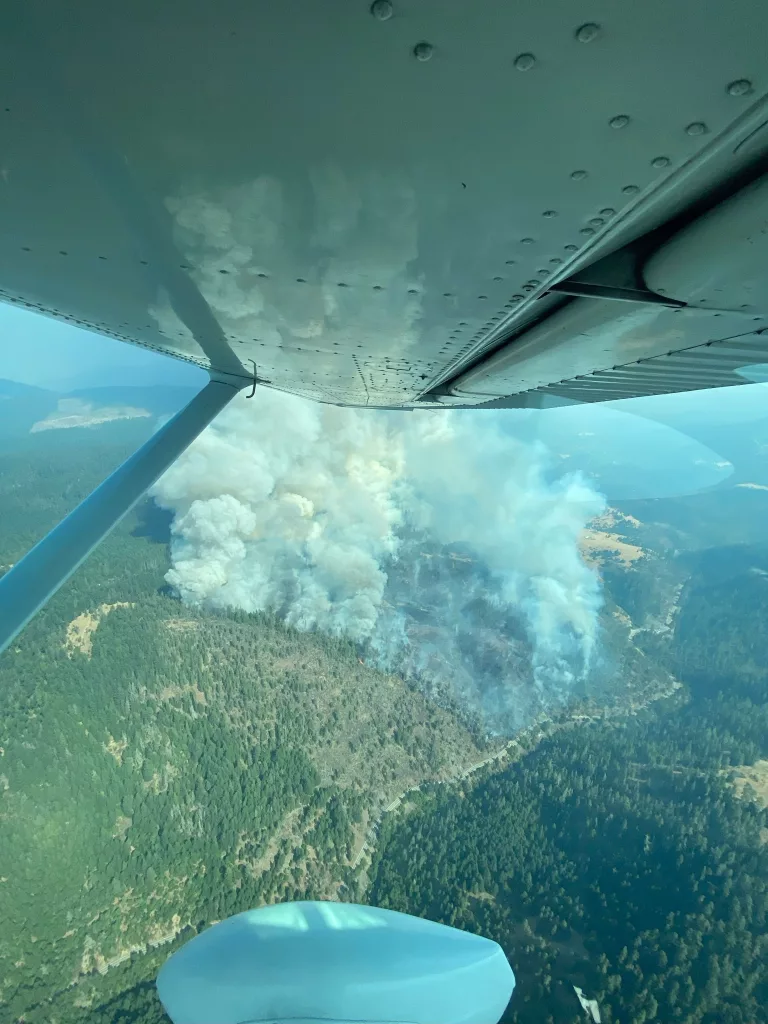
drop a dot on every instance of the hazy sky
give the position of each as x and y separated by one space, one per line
39 350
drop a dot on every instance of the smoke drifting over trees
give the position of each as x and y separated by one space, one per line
324 514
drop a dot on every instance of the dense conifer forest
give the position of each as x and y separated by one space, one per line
162 767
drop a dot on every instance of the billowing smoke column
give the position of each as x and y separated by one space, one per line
435 539
288 506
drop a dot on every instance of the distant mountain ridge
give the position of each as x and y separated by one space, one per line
22 406
15 389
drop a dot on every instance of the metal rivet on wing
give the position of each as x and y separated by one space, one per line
620 121
423 51
524 61
696 128
586 33
741 87
381 10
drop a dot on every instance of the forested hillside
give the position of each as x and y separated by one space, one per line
183 769
627 857
162 767
616 858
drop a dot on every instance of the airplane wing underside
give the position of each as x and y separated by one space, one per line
422 201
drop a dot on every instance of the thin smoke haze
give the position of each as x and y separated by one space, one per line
434 539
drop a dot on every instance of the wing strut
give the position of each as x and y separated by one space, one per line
40 573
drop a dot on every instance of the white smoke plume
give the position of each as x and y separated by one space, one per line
288 506
434 539
426 536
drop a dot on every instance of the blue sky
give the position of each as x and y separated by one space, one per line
47 353
634 447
